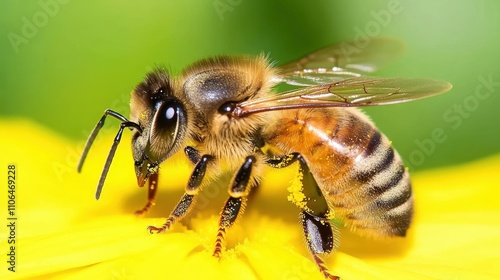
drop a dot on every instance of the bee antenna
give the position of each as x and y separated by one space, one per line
93 135
111 154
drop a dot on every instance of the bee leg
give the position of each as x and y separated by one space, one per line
236 202
187 199
192 154
281 161
315 218
228 217
152 188
315 213
319 236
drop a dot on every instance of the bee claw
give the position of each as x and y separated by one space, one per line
153 229
166 226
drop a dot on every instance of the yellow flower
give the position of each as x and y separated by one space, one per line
63 233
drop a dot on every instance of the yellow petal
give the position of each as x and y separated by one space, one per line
63 233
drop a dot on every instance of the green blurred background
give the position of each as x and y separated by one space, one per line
64 62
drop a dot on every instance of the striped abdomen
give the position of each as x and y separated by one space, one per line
354 164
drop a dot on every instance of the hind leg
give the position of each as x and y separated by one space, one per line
315 213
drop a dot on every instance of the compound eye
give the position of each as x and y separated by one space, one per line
168 125
167 118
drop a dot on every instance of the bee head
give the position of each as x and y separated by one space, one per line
163 120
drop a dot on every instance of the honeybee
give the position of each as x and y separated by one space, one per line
228 109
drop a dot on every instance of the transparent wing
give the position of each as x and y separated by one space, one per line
358 91
312 77
341 61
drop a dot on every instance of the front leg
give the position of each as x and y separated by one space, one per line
241 184
192 188
152 188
